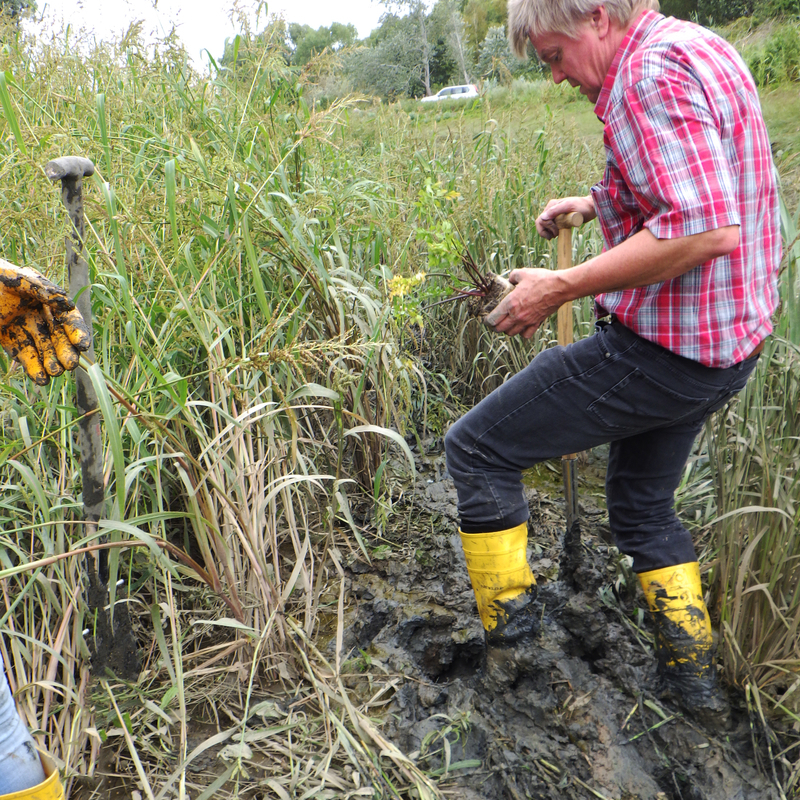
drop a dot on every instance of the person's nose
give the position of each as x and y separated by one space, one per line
558 73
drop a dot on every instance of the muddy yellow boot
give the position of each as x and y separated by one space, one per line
503 583
49 789
684 646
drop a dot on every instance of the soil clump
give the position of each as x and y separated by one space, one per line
497 287
573 713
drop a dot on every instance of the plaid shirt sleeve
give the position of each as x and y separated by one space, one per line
675 165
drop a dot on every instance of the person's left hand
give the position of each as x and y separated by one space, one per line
528 306
39 324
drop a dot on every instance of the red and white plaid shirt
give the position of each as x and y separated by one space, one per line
687 152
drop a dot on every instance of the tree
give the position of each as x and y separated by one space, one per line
442 64
417 13
307 42
392 67
447 30
13 8
496 59
415 53
462 50
480 15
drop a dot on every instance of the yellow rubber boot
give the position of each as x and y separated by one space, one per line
49 789
684 645
503 583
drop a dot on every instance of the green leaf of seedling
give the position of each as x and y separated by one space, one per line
376 484
100 103
171 692
198 156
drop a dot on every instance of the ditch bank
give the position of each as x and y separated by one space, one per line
571 714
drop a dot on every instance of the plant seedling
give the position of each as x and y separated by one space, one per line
487 290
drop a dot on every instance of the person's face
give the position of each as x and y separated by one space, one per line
584 61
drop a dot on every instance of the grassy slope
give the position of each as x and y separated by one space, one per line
534 105
782 112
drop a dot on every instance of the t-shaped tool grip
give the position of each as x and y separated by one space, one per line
68 167
572 220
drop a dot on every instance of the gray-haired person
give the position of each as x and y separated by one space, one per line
684 291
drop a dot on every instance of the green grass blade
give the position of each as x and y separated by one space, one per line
111 425
169 177
10 114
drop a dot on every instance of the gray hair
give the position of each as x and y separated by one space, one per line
534 17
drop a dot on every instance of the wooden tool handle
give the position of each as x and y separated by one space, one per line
566 222
565 262
572 220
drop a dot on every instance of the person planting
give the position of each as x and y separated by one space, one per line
39 326
684 291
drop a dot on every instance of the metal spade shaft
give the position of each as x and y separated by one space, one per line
114 646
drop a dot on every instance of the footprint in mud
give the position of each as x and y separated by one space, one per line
570 714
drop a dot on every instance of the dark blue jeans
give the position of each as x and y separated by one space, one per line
612 387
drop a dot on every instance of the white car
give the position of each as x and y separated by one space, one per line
464 92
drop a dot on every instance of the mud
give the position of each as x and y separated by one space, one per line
113 647
499 287
573 713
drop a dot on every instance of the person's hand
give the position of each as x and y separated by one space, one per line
533 300
39 324
545 222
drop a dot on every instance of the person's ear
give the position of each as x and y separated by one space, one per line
599 21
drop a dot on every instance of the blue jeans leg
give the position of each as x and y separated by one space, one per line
20 765
611 387
640 494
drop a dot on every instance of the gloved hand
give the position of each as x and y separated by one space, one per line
39 324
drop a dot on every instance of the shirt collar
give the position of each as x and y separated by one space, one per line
633 38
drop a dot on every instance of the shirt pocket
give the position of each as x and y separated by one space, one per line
641 402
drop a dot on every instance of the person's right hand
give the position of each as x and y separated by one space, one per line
39 324
545 222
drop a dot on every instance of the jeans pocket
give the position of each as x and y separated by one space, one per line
639 402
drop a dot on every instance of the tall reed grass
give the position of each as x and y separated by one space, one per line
250 389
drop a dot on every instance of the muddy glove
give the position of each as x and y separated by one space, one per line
39 324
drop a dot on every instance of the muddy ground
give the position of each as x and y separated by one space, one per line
572 714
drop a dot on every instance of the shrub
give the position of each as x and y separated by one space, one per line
778 8
779 60
718 12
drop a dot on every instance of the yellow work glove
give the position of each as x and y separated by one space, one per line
39 324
